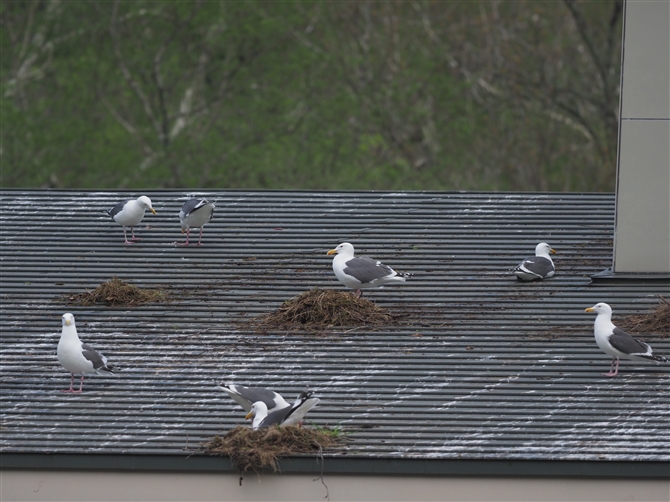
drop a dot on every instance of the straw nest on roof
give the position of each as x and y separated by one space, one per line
259 449
326 308
657 320
116 293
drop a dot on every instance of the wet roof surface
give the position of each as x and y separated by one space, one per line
482 366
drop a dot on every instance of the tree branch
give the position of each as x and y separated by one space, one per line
582 29
130 80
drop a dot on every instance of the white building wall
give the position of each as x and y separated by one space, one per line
642 235
42 485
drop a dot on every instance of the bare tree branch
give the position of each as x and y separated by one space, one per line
134 85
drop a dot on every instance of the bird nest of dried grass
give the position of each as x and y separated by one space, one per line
657 320
261 448
117 292
325 308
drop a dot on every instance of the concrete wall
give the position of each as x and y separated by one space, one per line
642 235
76 486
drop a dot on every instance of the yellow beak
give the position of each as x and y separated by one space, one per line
552 251
590 309
332 251
68 322
249 415
153 210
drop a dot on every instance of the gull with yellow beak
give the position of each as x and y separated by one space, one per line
77 357
362 273
539 266
129 213
616 342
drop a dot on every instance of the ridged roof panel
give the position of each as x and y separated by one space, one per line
482 366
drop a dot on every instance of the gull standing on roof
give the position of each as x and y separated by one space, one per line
285 416
362 273
129 213
194 214
77 357
539 266
247 396
616 342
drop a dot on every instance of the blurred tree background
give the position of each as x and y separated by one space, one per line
434 95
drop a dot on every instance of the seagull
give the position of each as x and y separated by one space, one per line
194 214
361 273
539 266
247 396
616 342
77 357
286 416
129 213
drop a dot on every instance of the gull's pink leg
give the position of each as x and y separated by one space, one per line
200 239
133 238
71 389
188 231
614 369
81 385
358 293
125 236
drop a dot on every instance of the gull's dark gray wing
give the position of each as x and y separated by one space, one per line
537 265
190 205
97 359
276 417
292 415
118 208
246 396
367 270
625 343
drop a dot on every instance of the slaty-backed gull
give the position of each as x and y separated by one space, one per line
77 357
292 415
361 273
616 342
194 214
539 266
129 213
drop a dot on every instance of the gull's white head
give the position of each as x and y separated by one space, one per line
543 249
600 308
345 248
146 203
259 409
68 320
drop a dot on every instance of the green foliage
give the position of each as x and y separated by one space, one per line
312 95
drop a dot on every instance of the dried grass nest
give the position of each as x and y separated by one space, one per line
326 308
657 320
258 449
117 292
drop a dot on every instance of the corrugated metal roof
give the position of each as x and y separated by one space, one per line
484 367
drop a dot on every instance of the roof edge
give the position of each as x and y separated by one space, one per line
341 465
298 190
608 273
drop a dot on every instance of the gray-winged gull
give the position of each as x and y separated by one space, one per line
539 266
194 214
292 415
77 357
247 396
129 213
616 342
362 273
